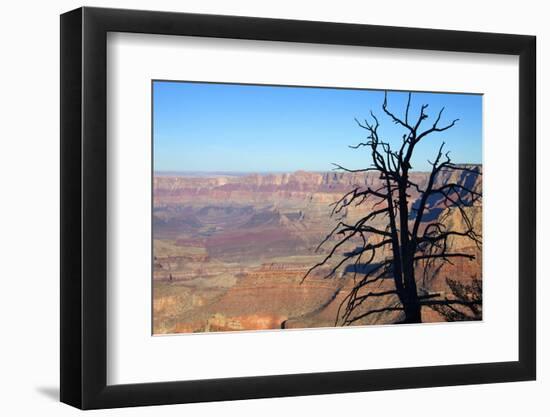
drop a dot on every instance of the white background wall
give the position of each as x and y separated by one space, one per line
29 225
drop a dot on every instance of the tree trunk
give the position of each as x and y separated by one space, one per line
413 313
412 307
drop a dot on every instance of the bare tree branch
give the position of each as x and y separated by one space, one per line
411 242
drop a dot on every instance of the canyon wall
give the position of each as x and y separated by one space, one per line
231 251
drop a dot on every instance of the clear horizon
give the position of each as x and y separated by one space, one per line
246 129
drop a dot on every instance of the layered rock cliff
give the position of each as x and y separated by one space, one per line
231 250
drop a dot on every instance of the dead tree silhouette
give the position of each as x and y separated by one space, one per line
410 238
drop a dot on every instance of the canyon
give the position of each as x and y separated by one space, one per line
230 250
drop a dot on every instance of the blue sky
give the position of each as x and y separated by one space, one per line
253 128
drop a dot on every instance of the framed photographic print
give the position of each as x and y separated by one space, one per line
258 207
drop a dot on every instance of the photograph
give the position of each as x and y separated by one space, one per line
274 209
292 207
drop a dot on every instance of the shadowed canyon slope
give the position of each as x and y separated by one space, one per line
230 251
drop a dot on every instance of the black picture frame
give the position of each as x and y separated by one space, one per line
84 207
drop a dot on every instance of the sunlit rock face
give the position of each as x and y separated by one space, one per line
230 251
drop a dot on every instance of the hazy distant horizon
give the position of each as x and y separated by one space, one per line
190 173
